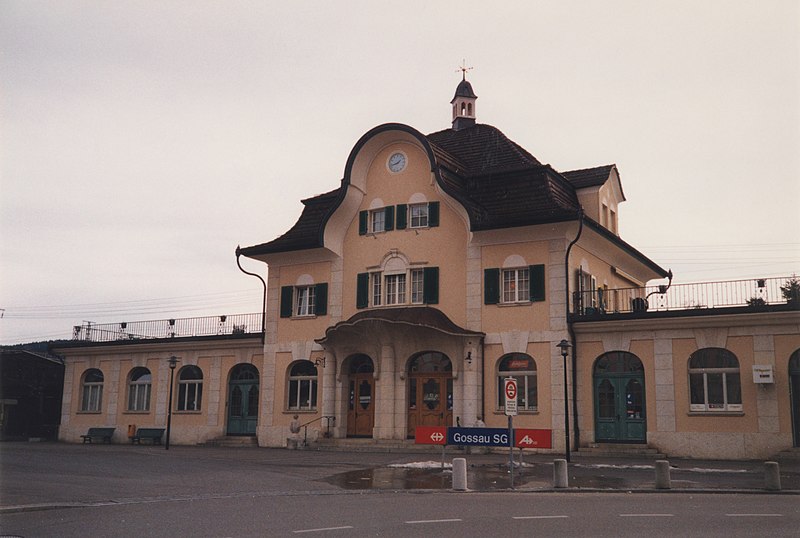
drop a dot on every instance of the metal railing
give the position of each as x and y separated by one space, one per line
704 295
238 324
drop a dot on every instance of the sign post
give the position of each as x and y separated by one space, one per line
510 390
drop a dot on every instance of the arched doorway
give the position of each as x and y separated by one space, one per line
361 394
430 391
794 394
243 400
619 400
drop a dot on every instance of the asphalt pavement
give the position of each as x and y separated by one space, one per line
42 476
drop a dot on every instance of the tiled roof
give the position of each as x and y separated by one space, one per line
306 231
498 182
589 177
482 148
417 316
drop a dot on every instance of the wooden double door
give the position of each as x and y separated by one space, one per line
619 399
430 400
243 400
361 407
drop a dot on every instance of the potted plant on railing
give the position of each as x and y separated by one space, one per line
791 291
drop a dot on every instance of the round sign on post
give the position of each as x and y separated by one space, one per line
510 390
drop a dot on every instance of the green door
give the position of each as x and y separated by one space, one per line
794 394
619 400
243 400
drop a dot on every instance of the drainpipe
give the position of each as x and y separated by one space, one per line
576 430
264 304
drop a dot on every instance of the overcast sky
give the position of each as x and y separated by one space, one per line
143 141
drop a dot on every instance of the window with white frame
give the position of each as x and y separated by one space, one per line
521 367
304 305
419 215
302 388
516 285
190 388
714 381
413 286
377 220
139 386
92 391
395 289
417 286
377 289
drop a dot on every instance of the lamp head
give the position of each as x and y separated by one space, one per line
564 346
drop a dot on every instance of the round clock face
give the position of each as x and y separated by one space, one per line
397 162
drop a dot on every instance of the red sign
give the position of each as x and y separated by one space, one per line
430 435
511 389
526 438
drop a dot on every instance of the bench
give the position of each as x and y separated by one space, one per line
151 434
102 434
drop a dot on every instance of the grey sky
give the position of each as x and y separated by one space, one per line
142 141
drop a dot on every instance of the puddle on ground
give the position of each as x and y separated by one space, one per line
478 478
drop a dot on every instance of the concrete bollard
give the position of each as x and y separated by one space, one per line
662 475
460 474
772 476
560 474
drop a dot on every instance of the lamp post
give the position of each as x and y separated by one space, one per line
564 347
173 361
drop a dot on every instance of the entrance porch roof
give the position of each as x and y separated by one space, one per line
418 316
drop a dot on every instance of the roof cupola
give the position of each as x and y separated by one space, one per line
463 103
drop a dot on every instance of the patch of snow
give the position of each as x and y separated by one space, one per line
420 465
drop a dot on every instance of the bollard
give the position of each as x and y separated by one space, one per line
560 476
662 475
772 476
460 474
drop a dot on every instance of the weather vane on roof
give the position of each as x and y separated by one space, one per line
463 68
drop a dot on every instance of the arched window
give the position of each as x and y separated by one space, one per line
714 382
521 367
190 388
92 391
302 386
139 384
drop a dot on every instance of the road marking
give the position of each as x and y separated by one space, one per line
323 530
646 515
539 517
754 515
422 521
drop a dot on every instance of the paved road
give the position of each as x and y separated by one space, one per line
122 490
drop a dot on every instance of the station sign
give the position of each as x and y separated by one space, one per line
430 435
529 438
477 436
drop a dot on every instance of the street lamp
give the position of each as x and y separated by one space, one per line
173 361
564 347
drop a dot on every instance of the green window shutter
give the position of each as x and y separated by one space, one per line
389 215
287 293
430 285
537 282
491 286
321 299
363 216
433 214
362 290
402 216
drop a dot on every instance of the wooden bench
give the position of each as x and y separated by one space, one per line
151 434
102 434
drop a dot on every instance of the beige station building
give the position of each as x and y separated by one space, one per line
440 265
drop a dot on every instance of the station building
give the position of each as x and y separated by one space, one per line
440 265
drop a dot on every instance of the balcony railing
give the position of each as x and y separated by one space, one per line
753 293
236 325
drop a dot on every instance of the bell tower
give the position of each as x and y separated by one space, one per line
463 103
